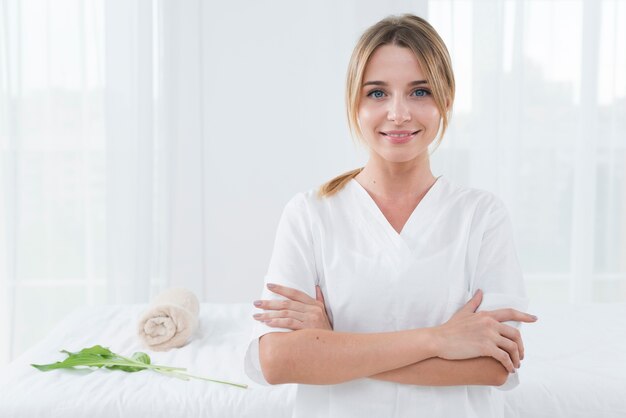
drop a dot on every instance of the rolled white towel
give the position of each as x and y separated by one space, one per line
170 320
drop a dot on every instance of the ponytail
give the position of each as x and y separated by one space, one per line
335 185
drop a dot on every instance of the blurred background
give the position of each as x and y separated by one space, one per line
149 144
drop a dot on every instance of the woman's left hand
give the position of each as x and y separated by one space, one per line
299 311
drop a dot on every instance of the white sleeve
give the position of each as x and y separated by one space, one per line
498 272
292 264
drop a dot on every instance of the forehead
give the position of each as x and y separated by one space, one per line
393 63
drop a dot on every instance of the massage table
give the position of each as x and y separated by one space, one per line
575 366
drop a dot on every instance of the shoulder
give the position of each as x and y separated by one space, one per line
477 207
470 198
327 213
313 204
302 201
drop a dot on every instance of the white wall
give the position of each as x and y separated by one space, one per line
274 124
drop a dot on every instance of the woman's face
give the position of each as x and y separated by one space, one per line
397 113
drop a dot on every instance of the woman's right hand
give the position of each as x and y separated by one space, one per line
471 334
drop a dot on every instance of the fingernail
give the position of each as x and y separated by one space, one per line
534 317
257 303
256 316
271 285
476 292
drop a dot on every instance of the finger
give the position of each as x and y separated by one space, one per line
291 293
511 348
514 335
503 357
503 315
289 323
319 296
280 314
283 304
474 302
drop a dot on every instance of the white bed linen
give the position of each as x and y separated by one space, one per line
575 367
215 351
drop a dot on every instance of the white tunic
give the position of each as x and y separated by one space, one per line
457 240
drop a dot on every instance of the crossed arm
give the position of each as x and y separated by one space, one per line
395 357
324 357
439 372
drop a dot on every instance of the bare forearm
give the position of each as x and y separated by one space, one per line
322 357
439 372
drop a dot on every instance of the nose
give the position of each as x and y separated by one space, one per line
398 111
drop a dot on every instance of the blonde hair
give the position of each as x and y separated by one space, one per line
408 31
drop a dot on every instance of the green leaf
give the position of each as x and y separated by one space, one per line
96 350
98 356
141 357
75 360
130 369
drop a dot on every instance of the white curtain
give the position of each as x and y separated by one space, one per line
147 144
542 122
101 140
154 149
52 185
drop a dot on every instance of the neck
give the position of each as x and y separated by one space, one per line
397 181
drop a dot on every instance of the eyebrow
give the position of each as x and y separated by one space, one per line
382 83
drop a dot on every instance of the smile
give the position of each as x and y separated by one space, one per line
399 137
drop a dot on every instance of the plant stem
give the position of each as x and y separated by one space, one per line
172 374
216 381
150 366
172 371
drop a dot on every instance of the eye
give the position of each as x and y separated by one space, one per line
421 92
376 94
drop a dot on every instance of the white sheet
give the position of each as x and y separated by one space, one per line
575 364
216 351
575 367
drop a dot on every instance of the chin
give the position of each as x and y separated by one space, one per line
399 160
400 157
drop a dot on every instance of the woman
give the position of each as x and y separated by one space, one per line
413 276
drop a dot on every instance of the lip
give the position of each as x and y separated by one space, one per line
405 137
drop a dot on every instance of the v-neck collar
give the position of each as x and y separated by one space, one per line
402 239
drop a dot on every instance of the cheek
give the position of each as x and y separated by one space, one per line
430 113
366 116
372 114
